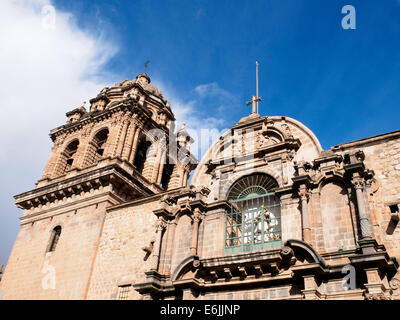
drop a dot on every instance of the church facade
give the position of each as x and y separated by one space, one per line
268 213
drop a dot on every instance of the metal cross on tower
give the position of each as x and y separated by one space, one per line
146 64
255 99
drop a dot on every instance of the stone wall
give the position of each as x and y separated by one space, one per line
120 259
30 267
382 155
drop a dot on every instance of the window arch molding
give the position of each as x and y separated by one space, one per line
97 130
236 177
243 187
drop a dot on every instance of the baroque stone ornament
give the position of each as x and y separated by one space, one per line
376 296
160 224
197 215
395 286
287 255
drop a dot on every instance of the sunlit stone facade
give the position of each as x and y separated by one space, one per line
268 214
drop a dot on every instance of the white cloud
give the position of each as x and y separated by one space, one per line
48 71
45 73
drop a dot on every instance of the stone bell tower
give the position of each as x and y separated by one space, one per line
121 149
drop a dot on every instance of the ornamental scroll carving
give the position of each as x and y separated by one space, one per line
395 286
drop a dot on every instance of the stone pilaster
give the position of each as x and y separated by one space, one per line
134 145
129 141
197 217
160 226
305 218
161 167
122 136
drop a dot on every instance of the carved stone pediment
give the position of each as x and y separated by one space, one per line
266 139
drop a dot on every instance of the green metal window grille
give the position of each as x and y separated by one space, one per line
254 221
124 292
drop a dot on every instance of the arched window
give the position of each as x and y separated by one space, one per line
96 147
55 236
254 221
141 154
70 153
67 157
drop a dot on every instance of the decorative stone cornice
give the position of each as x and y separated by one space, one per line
109 175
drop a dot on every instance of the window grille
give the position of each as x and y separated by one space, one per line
254 221
124 292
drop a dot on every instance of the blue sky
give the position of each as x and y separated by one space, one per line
342 84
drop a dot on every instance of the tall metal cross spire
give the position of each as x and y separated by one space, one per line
146 64
255 99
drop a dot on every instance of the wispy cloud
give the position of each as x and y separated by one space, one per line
46 70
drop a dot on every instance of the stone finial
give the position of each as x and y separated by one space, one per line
183 137
143 78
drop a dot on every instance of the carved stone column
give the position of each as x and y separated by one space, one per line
181 172
359 184
129 141
157 162
305 218
161 167
197 217
160 226
134 145
185 178
122 137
